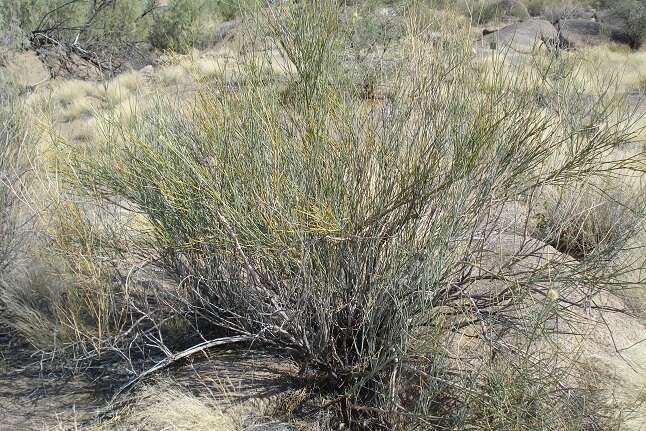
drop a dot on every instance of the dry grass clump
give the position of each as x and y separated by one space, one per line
66 92
629 66
15 138
74 107
174 75
580 219
74 100
517 394
168 406
63 293
55 290
27 310
78 109
124 86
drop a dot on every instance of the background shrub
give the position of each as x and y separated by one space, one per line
483 12
176 26
105 33
115 31
119 20
184 24
633 14
553 10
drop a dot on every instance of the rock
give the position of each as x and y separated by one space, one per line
522 36
579 33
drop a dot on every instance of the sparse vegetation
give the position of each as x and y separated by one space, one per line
431 237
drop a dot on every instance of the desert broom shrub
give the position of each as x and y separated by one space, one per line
11 135
15 138
365 239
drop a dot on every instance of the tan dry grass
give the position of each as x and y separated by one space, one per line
63 93
25 67
167 406
629 66
123 87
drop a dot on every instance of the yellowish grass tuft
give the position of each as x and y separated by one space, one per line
207 67
82 107
66 92
122 87
169 407
630 66
23 316
173 75
591 215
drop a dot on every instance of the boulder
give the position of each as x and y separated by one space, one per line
579 33
522 36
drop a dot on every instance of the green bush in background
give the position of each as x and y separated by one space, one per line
115 25
633 13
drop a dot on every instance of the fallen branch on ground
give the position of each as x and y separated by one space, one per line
181 355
